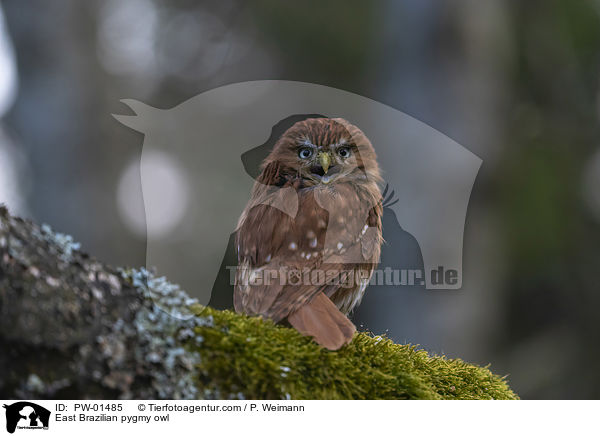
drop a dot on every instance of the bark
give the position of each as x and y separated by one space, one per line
74 328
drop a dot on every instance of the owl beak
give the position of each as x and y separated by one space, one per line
325 161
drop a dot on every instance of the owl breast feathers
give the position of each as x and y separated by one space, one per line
310 236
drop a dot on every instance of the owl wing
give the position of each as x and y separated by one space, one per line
273 248
272 244
271 241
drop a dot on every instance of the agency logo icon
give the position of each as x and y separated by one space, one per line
24 415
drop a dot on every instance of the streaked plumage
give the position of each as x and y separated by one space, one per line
315 209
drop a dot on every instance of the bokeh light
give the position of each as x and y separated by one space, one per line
165 199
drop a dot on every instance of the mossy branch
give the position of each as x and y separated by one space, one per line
72 327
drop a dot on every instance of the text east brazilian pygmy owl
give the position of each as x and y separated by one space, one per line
310 236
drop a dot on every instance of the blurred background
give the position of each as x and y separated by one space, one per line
517 83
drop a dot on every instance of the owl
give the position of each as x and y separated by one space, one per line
310 236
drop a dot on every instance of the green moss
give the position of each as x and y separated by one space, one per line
246 357
129 334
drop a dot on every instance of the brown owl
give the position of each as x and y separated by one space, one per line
310 236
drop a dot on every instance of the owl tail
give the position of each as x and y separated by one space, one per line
322 320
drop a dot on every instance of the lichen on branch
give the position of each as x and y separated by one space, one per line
72 327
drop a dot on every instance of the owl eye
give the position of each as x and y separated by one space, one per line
344 152
305 153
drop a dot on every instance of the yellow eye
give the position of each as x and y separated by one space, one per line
344 152
305 153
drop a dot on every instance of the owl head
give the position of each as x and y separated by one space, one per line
325 151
